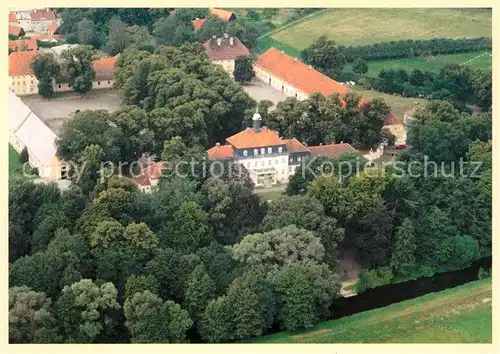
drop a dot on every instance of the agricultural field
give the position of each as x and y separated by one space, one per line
352 26
476 60
459 315
398 104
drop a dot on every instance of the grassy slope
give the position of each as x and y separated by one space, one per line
434 64
13 159
459 315
398 104
374 25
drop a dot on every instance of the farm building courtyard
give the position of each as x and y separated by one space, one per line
56 110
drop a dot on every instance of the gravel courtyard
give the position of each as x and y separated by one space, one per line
259 91
56 110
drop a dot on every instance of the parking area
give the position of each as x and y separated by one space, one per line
259 91
63 106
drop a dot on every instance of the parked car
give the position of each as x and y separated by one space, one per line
401 146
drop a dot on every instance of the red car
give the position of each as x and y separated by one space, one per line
401 146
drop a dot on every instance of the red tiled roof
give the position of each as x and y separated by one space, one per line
220 152
19 63
331 151
153 171
53 28
198 23
249 138
225 51
42 14
12 17
15 30
298 74
142 180
391 119
23 45
363 102
224 15
105 65
293 145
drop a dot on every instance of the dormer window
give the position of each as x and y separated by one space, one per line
245 153
269 150
280 149
255 151
262 151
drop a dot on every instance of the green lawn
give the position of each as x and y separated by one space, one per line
459 315
268 195
357 26
397 103
476 60
13 160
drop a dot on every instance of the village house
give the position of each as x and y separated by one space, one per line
224 50
149 177
16 31
224 15
34 20
23 45
26 129
21 78
104 71
23 82
394 126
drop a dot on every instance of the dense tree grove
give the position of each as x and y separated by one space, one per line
454 83
415 48
326 120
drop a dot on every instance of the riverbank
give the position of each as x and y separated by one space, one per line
459 315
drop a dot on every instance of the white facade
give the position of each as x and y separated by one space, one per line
23 85
267 169
278 84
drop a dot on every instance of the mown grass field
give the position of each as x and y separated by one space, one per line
269 195
355 26
13 160
459 315
476 60
397 103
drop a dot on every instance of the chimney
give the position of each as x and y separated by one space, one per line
231 41
320 144
217 144
341 141
257 120
219 41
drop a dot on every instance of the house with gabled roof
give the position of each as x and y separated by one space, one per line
224 50
22 81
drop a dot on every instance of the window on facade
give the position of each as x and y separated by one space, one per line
284 161
276 161
295 94
109 82
299 158
262 151
270 162
32 82
69 85
291 159
255 151
59 85
262 163
98 82
280 149
245 153
269 150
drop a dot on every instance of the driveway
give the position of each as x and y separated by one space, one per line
259 91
